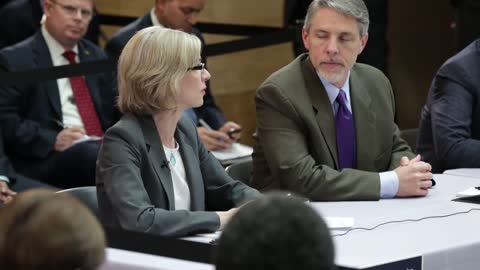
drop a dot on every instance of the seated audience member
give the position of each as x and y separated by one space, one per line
9 180
333 118
182 15
154 175
41 230
43 121
275 232
21 19
7 175
449 135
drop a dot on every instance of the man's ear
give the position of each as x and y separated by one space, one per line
159 4
46 6
306 38
364 40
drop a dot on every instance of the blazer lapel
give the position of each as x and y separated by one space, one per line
157 156
364 118
321 106
43 59
190 163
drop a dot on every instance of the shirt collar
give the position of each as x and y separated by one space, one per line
332 90
154 18
55 48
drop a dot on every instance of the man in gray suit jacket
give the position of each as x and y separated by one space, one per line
325 124
450 123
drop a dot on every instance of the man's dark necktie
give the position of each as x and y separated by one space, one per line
84 101
345 134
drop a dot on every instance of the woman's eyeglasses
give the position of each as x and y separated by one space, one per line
200 67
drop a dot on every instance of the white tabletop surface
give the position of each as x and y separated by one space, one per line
117 259
445 243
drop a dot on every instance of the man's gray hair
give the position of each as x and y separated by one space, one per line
351 8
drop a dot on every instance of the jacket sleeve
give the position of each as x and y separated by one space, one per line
452 104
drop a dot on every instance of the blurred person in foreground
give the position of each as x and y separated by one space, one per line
41 230
154 174
275 232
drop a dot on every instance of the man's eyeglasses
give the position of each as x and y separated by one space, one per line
73 11
200 67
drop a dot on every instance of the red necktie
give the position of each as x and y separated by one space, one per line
84 101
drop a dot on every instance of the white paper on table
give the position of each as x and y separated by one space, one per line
339 222
236 151
467 172
203 237
472 191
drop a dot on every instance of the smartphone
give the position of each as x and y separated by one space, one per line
232 131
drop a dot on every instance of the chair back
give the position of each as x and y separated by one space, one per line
241 171
410 135
86 195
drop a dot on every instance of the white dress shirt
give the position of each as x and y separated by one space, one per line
181 191
71 116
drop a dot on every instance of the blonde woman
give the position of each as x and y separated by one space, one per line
153 173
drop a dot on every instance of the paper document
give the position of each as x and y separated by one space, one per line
466 172
339 222
236 151
206 238
472 191
87 138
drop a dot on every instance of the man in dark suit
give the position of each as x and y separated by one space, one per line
325 124
21 19
6 176
450 121
182 15
9 180
45 122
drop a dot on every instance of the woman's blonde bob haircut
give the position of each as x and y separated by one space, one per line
151 66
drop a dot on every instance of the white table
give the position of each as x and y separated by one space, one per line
443 243
439 243
117 259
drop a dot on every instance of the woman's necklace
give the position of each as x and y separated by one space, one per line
172 159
